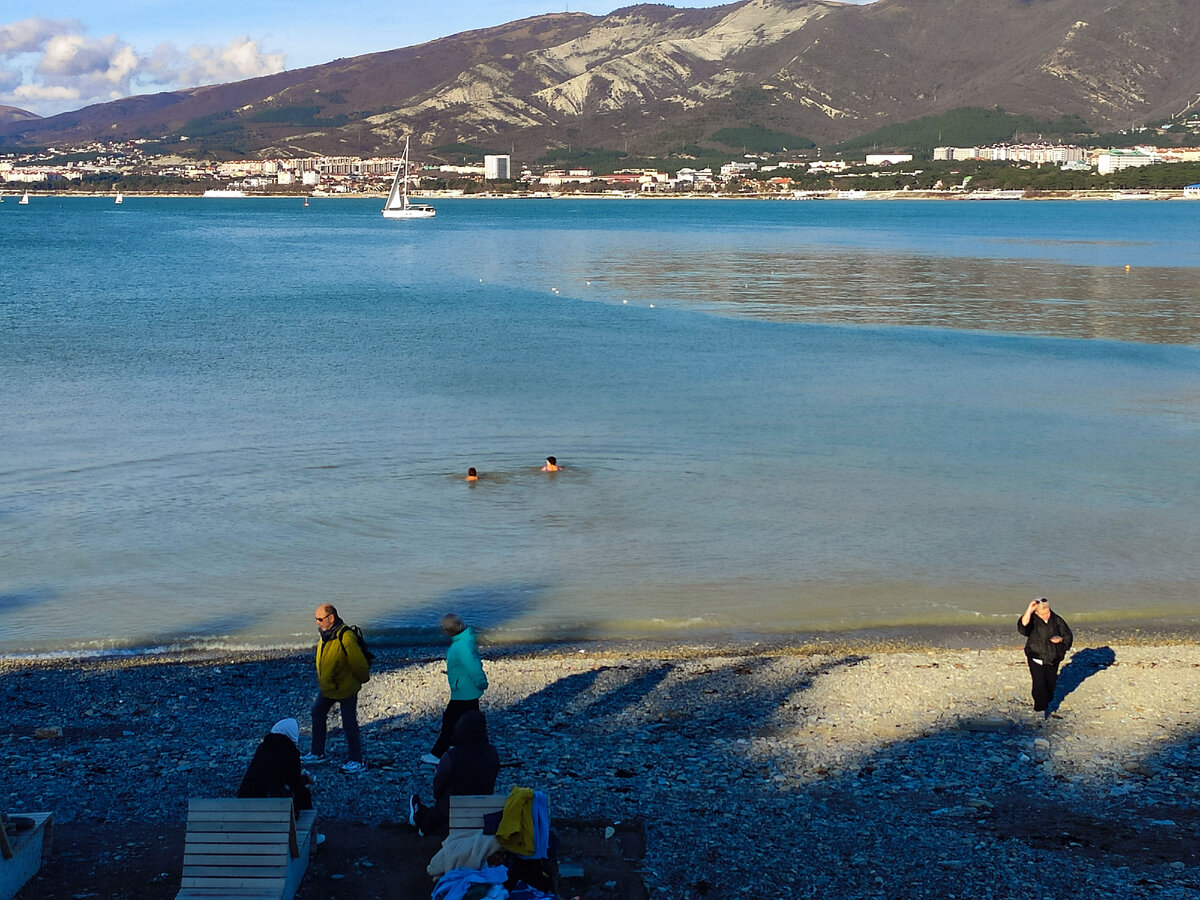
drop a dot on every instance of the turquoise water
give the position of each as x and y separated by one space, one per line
217 414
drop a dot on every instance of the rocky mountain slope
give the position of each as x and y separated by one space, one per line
652 78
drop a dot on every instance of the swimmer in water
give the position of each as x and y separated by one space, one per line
551 465
472 475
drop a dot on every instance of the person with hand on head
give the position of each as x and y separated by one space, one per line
551 464
1047 640
342 670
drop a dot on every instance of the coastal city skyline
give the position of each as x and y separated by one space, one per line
72 53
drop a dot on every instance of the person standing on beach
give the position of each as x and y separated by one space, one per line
342 670
464 671
1047 640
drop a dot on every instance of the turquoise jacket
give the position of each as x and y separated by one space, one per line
464 670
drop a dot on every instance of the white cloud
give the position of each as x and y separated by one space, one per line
211 65
29 35
58 66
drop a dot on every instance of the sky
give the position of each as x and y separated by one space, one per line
60 55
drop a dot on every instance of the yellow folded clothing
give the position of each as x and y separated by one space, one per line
515 832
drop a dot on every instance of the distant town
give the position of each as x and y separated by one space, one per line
995 170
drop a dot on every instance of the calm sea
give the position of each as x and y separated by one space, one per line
216 414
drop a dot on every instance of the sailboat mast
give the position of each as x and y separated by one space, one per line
405 165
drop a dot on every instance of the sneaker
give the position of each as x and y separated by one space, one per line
313 758
430 759
353 767
414 803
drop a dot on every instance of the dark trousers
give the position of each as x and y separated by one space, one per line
1045 677
454 709
320 714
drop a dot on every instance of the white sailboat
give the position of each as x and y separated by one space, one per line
24 201
397 206
119 199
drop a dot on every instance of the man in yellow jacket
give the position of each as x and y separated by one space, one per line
342 670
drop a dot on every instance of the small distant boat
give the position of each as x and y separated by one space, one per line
218 192
397 206
119 198
24 201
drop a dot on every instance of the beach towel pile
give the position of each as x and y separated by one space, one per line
467 884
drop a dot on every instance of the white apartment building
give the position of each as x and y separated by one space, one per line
497 167
888 159
1037 154
1118 160
732 169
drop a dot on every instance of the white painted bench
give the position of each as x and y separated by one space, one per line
22 852
245 848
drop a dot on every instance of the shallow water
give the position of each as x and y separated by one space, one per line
774 416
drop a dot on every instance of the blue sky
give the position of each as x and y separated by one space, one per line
58 55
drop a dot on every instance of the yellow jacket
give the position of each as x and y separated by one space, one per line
515 831
342 668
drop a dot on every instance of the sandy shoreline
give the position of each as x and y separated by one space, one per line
880 767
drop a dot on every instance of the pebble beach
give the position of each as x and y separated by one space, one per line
850 768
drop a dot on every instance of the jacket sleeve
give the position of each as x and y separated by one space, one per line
1024 629
294 779
1065 633
442 776
359 667
475 671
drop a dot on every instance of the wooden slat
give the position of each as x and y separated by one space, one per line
226 838
237 873
233 886
239 804
253 817
240 860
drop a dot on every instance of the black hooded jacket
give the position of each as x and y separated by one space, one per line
275 771
1037 638
471 764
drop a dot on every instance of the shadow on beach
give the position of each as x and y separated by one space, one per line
1083 665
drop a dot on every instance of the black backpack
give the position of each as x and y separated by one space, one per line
362 642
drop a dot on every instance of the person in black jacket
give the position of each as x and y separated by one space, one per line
1047 640
470 766
275 770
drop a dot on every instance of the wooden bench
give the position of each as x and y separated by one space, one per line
467 811
245 848
22 853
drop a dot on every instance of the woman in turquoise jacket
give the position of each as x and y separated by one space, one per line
464 671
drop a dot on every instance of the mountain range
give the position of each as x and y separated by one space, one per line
653 79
